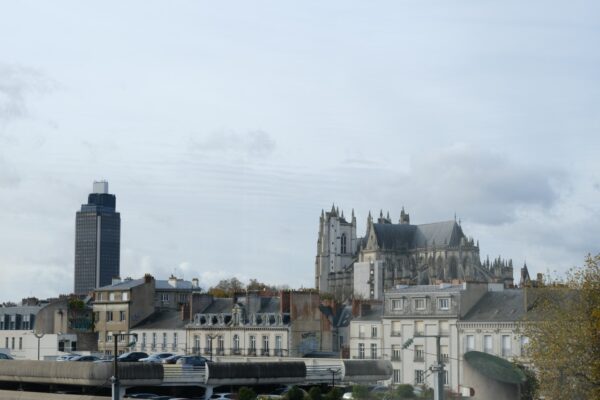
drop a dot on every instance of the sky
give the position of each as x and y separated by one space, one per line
224 128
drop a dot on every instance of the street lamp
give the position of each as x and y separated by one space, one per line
333 372
115 378
39 336
211 337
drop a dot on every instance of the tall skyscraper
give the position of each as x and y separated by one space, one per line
97 240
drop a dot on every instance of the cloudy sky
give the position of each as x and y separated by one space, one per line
225 127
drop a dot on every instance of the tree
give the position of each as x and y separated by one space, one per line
360 392
334 394
226 287
564 334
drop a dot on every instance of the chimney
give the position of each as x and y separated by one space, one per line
540 279
185 312
195 283
173 281
115 280
284 295
148 278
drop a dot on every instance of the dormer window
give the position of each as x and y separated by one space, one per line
444 304
419 304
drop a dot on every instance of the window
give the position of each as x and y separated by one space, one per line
196 344
99 296
125 296
444 353
361 331
444 328
419 376
109 316
12 342
252 348
236 344
444 304
153 340
174 340
470 345
419 304
524 344
373 331
506 346
20 343
487 343
396 328
343 243
419 328
397 378
278 345
396 352
111 296
144 340
121 315
361 350
209 345
164 341
6 346
109 337
445 377
265 345
419 352
220 345
374 351
397 304
164 297
25 322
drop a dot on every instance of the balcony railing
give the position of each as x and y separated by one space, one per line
251 352
361 335
396 333
396 357
196 350
264 352
419 356
506 352
278 353
220 352
236 352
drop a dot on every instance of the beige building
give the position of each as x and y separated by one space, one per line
288 324
127 303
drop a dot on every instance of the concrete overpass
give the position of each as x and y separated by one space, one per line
236 373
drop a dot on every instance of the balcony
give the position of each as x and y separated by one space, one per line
174 347
506 353
251 352
221 352
264 352
419 356
396 333
195 350
278 353
236 352
419 333
361 335
396 357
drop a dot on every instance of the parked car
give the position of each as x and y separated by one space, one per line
5 357
156 357
142 396
172 360
132 356
195 361
84 358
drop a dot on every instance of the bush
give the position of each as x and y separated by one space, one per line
246 393
315 393
360 392
334 394
294 394
405 391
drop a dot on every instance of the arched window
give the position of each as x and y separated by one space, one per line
343 243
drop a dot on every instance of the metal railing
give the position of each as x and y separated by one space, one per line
183 374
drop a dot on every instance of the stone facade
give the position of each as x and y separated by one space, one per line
390 254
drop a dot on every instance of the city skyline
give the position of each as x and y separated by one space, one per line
225 130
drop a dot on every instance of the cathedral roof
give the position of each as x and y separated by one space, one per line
406 236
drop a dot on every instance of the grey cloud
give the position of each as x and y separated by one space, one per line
15 84
256 144
8 175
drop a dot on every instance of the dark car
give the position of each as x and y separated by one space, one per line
172 359
84 358
194 361
5 357
132 356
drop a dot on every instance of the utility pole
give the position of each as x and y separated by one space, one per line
116 387
438 368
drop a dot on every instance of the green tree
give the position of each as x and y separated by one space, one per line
315 393
564 334
246 393
226 287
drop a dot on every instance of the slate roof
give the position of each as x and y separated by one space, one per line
505 306
165 285
21 310
219 305
164 319
405 236
124 284
412 289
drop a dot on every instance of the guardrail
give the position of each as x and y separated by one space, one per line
177 374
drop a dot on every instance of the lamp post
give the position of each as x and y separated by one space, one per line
333 372
39 336
212 337
116 389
